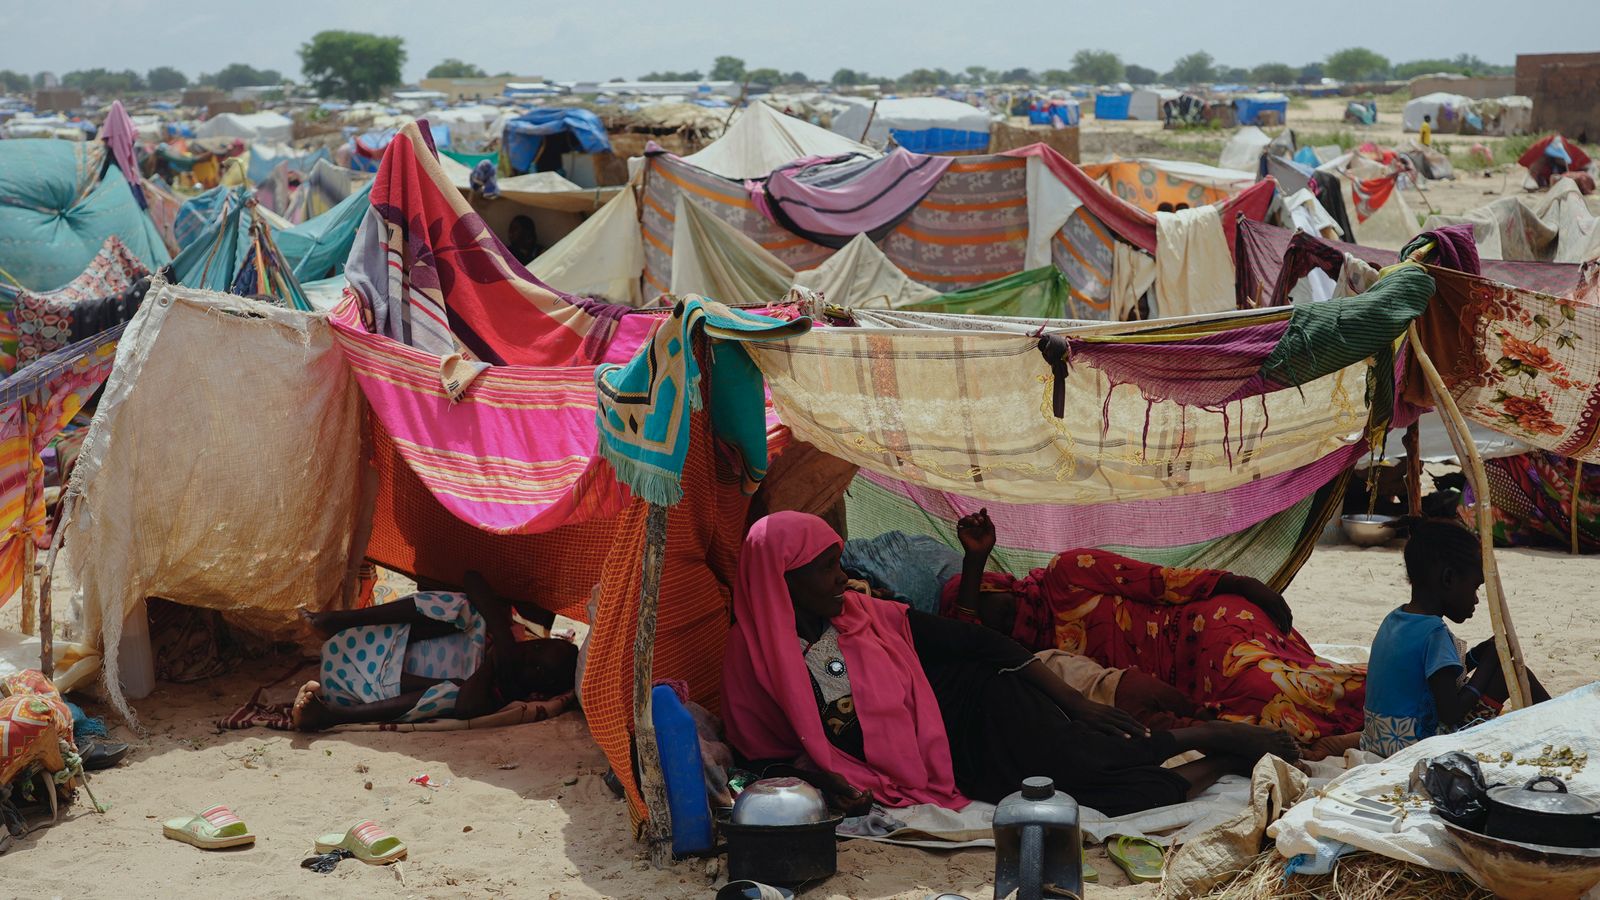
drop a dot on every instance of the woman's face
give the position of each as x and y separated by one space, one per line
818 586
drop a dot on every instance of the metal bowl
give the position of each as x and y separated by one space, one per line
779 801
1517 871
1370 531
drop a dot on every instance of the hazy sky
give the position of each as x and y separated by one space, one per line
610 38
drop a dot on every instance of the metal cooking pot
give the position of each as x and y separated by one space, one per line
1542 812
779 801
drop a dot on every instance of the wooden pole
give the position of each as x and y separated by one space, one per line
47 653
30 551
1572 509
1413 445
1505 635
652 785
873 114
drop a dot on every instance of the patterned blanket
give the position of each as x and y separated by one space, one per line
89 304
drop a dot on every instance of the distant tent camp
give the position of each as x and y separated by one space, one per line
919 124
536 140
267 127
1250 107
1145 103
761 139
1112 106
1448 111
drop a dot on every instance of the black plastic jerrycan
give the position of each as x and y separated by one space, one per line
1038 849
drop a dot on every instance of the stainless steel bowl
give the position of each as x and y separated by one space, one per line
779 801
1370 531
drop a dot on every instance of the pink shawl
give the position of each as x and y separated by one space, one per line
768 703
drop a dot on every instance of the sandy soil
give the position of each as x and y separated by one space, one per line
523 811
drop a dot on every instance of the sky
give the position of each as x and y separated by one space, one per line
626 38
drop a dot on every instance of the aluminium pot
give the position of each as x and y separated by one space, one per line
1542 812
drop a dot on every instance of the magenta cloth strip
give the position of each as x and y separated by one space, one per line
119 134
839 200
1204 371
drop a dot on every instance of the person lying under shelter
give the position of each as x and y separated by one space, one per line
431 655
898 707
1225 640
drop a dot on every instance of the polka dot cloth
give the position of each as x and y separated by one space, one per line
363 665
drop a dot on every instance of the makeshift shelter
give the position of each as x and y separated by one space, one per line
1449 111
761 140
919 124
263 127
1266 108
536 140
1145 104
1243 150
1555 226
57 208
1148 183
1112 105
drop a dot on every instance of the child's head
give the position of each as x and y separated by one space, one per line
1444 562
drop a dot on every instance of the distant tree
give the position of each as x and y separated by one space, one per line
1141 75
980 75
166 78
1195 68
42 80
104 82
1311 73
1356 64
1469 64
1274 73
618 80
847 78
767 76
240 75
455 68
691 75
1097 66
727 68
1019 75
14 82
1056 77
796 78
352 65
924 78
1233 74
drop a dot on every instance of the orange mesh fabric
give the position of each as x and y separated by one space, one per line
703 535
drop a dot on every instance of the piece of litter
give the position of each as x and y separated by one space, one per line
505 765
569 782
427 781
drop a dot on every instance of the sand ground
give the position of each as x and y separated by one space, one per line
523 812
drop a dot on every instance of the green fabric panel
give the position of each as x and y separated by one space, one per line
1325 337
471 159
1037 293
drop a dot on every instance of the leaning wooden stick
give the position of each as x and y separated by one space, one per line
1505 636
1572 511
652 784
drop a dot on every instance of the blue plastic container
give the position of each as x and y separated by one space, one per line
684 771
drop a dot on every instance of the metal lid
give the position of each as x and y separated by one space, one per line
1545 794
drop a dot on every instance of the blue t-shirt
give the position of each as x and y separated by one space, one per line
1408 650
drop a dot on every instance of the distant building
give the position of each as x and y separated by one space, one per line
1562 86
57 99
1482 87
461 90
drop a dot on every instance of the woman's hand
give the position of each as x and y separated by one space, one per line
1263 596
852 802
976 533
1105 719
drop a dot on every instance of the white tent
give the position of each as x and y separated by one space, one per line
602 257
762 139
1146 103
860 276
266 126
1432 105
469 125
908 114
1244 149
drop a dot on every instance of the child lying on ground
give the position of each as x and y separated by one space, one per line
431 655
1419 680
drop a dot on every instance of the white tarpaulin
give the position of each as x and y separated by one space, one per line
222 469
1244 149
265 126
601 257
762 139
859 275
1432 105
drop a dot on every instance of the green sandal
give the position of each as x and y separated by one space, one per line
366 841
213 829
1140 858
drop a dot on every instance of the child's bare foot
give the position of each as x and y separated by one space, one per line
309 712
316 623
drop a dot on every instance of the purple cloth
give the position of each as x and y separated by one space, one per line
1205 371
1457 248
831 202
119 134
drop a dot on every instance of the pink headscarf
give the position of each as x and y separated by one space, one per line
768 703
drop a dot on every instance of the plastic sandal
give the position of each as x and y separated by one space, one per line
366 841
213 829
1140 858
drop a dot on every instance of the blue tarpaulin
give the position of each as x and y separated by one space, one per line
56 212
527 132
1249 109
940 140
1112 106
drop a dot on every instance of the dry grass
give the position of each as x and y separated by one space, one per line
1365 876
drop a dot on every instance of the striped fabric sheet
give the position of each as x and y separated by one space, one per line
972 228
1083 251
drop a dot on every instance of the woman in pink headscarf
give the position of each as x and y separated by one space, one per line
894 706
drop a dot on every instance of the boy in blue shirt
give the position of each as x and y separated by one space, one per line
1419 682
